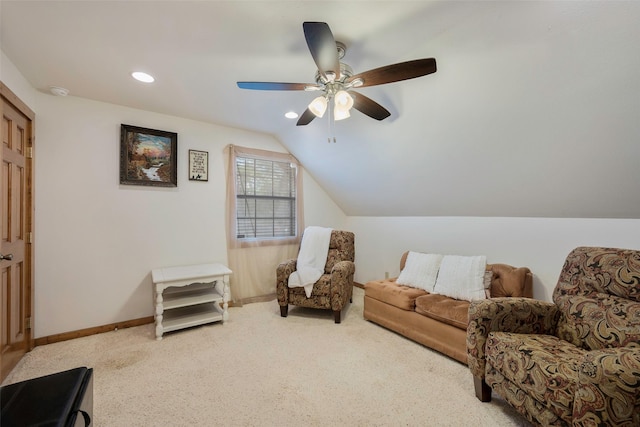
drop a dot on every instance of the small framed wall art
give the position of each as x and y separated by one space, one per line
198 165
148 157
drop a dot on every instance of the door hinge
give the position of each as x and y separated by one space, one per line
28 323
29 152
30 237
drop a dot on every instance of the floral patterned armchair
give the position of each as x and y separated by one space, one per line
575 361
335 286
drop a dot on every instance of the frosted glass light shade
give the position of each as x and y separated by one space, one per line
341 113
318 106
343 99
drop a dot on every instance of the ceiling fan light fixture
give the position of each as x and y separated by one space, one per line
341 113
318 106
343 100
343 103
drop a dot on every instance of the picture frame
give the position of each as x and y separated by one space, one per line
198 165
148 157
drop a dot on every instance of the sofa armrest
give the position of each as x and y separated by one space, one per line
341 282
511 281
608 391
517 315
284 269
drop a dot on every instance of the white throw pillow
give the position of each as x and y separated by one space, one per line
420 271
461 277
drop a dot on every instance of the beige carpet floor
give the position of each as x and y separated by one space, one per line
259 369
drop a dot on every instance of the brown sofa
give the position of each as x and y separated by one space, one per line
433 320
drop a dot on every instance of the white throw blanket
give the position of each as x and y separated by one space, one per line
311 258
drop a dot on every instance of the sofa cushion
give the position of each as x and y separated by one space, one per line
542 366
390 292
444 309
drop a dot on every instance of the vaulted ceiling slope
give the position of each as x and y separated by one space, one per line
534 110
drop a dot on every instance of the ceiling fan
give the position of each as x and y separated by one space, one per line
336 80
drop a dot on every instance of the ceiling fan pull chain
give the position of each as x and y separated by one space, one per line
330 123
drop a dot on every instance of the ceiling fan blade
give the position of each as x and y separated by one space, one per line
305 118
323 48
396 72
368 106
274 86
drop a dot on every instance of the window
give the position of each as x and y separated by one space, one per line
266 196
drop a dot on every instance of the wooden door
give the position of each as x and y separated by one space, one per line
16 263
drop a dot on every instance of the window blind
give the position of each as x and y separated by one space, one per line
266 198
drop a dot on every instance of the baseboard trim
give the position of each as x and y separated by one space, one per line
135 322
92 331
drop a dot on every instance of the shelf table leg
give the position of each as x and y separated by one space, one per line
225 300
159 311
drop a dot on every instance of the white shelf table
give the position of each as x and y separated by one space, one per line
190 295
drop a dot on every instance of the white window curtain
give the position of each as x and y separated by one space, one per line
254 260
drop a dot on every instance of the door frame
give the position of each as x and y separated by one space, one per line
18 104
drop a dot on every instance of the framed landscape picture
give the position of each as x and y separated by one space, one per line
148 157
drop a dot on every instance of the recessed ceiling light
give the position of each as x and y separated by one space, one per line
58 91
143 77
291 115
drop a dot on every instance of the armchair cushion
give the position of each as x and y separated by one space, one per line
341 248
608 388
320 295
544 367
598 321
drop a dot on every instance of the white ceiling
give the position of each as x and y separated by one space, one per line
534 110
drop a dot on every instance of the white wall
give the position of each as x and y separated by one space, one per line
96 241
541 244
319 208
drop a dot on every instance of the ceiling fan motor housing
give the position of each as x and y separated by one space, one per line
345 72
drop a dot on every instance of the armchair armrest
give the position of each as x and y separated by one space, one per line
608 385
284 269
517 315
343 268
341 283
